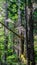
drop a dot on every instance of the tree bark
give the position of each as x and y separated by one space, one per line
31 37
27 43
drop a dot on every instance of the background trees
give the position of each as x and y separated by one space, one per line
15 12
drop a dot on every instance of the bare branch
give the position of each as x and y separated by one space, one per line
21 37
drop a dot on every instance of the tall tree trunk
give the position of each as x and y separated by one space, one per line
27 41
31 38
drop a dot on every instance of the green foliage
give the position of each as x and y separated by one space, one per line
12 8
35 46
12 59
35 15
29 3
35 1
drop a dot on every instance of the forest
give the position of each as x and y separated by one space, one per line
18 32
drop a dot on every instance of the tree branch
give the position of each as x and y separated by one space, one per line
21 37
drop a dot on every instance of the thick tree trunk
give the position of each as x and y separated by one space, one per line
27 42
31 38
